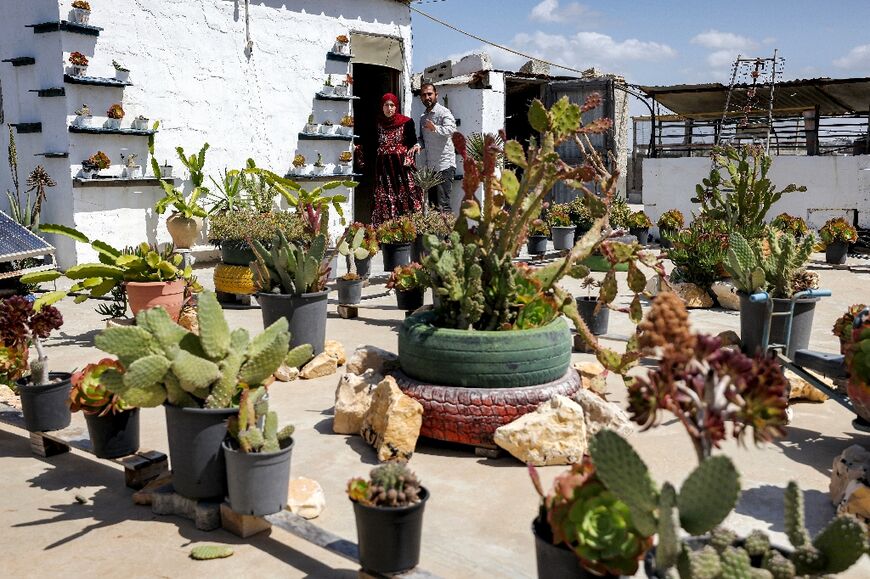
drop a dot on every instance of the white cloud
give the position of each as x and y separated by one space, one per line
550 11
857 58
716 40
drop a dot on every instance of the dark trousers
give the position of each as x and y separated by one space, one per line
439 196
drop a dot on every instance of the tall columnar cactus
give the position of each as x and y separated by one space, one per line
256 427
289 268
166 363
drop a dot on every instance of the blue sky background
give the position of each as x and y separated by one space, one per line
661 42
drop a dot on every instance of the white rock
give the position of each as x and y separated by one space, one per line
335 349
305 497
599 414
555 433
322 365
372 357
392 422
286 373
353 396
726 294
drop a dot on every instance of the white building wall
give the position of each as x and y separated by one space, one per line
836 186
189 70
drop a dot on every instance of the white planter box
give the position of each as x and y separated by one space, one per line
79 16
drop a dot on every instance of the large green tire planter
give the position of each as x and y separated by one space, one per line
480 359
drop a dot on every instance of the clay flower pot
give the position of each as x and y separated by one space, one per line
183 230
167 294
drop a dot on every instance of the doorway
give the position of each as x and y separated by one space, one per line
370 83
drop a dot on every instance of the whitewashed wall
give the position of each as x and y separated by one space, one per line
836 186
190 70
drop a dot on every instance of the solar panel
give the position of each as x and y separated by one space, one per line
17 242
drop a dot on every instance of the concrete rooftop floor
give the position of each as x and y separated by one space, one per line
477 521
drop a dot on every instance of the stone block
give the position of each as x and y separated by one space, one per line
305 497
286 373
372 357
353 397
243 526
599 414
336 350
536 67
392 422
348 312
555 433
322 365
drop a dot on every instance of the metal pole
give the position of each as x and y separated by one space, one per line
770 106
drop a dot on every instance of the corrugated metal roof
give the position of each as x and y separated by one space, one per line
833 96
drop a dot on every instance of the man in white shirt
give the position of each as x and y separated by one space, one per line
436 130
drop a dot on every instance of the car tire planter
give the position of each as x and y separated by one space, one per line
390 537
836 253
167 294
257 481
305 313
46 406
195 453
115 434
483 359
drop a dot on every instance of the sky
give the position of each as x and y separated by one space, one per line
654 42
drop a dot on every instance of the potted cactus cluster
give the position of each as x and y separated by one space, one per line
353 248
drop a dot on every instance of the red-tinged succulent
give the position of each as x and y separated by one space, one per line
22 325
89 395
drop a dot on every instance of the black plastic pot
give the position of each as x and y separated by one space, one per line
579 232
597 322
395 254
836 252
257 481
642 234
46 406
389 537
537 244
418 251
195 438
563 237
665 236
349 291
752 316
409 300
114 435
237 253
555 561
306 315
363 267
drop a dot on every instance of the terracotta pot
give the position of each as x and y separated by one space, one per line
169 295
183 230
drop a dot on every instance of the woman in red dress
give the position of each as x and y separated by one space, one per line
396 193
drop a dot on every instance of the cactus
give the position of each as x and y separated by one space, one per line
390 485
165 362
735 563
794 516
288 268
456 280
743 265
778 564
707 496
352 248
299 356
784 259
206 552
757 543
701 564
722 538
255 429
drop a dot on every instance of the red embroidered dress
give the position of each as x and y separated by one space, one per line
396 193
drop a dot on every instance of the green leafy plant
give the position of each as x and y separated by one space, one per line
389 485
477 147
228 194
407 277
743 197
24 324
790 224
26 211
698 252
301 199
559 215
288 268
89 395
188 206
398 230
163 362
539 228
838 230
117 66
620 213
427 178
352 248
255 428
579 213
242 225
671 220
638 220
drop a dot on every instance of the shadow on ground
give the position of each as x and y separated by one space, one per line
766 503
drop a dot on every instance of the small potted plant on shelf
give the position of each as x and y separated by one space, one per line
43 394
561 228
113 425
410 283
343 89
328 88
327 128
114 114
140 123
132 170
83 116
395 237
389 518
353 248
99 161
121 73
538 233
669 223
311 127
299 166
345 163
79 64
319 168
81 12
258 456
790 224
638 225
347 125
837 234
342 44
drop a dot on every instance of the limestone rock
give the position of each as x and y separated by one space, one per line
591 375
305 497
856 501
852 464
726 295
286 373
653 285
803 390
392 422
555 433
336 350
729 338
694 296
599 414
366 357
322 365
353 396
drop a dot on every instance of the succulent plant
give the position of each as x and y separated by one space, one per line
838 230
88 393
24 324
639 220
407 277
165 363
399 230
559 215
288 268
390 485
116 111
255 429
671 220
843 326
790 224
207 552
772 265
426 178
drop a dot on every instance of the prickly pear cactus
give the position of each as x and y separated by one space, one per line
255 429
708 495
207 552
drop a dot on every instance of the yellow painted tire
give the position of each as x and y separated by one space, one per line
234 279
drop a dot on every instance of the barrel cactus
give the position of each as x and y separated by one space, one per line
163 362
389 485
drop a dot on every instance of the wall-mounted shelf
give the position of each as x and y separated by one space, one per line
49 92
66 26
53 155
327 177
95 81
338 56
22 128
79 183
106 131
21 61
322 137
331 97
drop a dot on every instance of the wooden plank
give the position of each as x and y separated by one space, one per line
243 526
